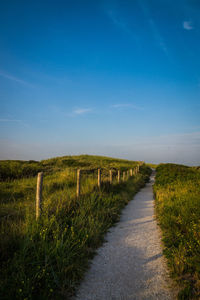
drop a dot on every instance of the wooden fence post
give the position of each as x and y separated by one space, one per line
78 188
39 195
118 176
131 172
124 176
110 176
99 178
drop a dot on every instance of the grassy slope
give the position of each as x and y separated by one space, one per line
153 166
47 259
177 191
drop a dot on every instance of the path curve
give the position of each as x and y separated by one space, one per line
130 265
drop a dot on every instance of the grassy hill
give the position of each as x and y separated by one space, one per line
177 191
16 169
47 259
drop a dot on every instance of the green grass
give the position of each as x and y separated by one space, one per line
177 191
153 166
47 259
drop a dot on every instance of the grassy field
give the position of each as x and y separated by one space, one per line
47 259
177 191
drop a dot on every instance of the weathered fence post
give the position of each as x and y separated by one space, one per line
99 178
39 195
131 172
118 176
127 174
110 176
124 176
78 188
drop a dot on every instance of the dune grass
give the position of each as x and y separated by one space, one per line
177 191
47 259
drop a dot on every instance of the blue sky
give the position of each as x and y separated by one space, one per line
117 78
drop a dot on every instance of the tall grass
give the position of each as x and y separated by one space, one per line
47 259
177 191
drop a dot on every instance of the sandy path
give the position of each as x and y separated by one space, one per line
130 264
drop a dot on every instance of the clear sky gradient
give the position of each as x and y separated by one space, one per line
116 78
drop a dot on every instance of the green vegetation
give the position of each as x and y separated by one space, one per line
15 169
47 259
153 166
177 191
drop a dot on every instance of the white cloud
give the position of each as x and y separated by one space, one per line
126 105
187 25
82 111
73 113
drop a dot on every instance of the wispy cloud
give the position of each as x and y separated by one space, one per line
16 121
158 38
82 111
10 120
154 29
126 105
117 21
188 25
13 78
123 25
76 111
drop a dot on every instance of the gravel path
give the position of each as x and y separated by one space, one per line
130 264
